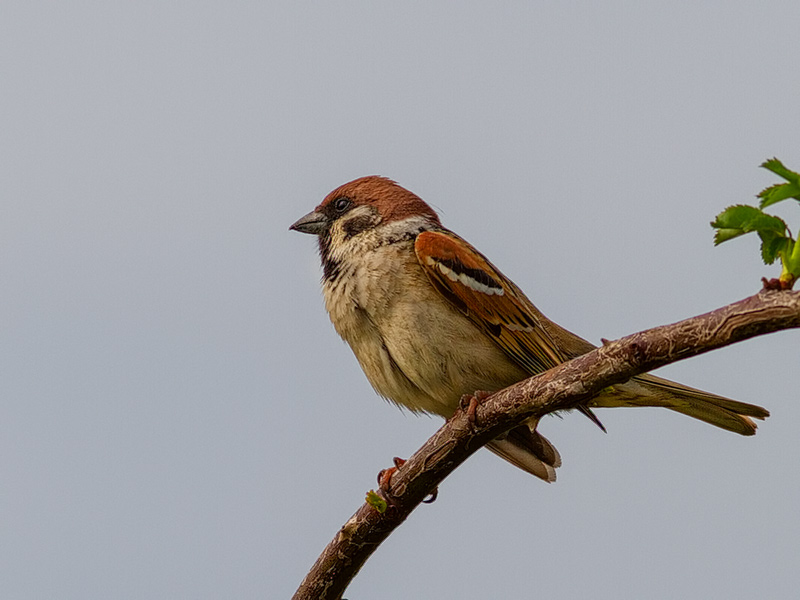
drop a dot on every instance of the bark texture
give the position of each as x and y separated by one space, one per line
560 388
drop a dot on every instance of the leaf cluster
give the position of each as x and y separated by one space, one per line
776 238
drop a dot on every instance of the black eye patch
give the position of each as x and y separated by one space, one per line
357 224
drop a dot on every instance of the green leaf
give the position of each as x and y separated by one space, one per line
779 192
776 166
774 245
723 235
376 502
730 222
776 239
740 219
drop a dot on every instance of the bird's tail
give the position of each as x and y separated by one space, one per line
529 450
649 390
526 448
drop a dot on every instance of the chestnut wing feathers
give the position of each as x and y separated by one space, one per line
472 284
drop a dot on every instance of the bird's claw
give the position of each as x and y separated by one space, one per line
469 405
385 482
431 498
385 475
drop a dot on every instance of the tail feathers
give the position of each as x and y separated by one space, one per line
592 417
526 448
529 450
649 390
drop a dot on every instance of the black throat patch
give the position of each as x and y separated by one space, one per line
331 268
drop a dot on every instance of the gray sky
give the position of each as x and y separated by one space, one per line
177 416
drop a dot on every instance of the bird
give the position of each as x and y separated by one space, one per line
431 320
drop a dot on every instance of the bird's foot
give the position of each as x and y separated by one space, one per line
469 404
385 482
385 476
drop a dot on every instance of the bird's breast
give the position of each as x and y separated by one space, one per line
415 348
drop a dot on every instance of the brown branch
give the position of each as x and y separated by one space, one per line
560 388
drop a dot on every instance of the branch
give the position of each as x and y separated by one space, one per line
560 388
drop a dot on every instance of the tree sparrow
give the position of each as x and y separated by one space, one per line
430 319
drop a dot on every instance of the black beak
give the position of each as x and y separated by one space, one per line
314 222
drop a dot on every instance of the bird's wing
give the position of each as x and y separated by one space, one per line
470 282
473 285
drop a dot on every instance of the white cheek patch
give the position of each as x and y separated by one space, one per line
465 279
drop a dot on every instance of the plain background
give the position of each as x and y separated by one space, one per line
177 416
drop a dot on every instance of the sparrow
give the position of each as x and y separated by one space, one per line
430 320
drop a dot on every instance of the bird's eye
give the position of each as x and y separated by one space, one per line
341 204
